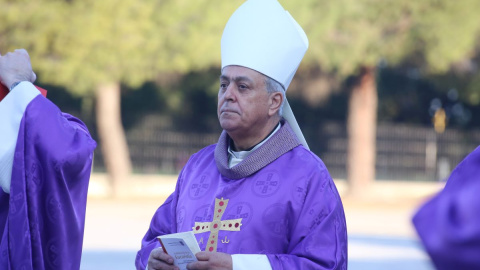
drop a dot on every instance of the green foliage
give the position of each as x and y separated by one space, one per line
81 44
103 42
85 43
193 30
30 24
346 34
447 30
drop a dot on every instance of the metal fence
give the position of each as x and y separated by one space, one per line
404 152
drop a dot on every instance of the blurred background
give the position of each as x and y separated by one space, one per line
387 96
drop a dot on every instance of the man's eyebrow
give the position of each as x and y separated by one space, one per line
236 79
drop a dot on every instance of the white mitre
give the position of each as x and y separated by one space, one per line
262 36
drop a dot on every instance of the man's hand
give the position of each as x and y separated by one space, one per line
16 67
159 260
211 261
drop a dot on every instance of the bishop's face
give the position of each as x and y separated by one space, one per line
243 101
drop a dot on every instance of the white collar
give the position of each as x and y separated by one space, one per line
235 157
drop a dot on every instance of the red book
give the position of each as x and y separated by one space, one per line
4 91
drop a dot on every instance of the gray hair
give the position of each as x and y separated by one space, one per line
273 86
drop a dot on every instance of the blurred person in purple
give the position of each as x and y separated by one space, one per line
449 223
259 198
45 165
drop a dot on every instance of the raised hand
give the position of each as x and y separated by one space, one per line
16 67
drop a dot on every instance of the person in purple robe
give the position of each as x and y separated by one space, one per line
449 223
45 164
259 198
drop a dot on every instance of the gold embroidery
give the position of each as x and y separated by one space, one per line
217 224
226 241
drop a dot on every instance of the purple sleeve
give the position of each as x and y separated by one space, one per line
52 165
163 222
319 236
449 224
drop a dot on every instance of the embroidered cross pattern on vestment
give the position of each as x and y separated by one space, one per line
217 224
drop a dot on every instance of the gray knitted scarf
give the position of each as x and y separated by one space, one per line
280 143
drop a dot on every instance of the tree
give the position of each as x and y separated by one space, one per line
92 47
101 45
83 45
350 37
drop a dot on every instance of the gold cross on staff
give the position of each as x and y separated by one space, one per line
217 224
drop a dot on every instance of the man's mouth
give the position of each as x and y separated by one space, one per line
228 111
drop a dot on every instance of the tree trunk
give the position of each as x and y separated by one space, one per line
112 136
361 127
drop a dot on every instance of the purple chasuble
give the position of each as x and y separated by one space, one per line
280 201
449 223
42 219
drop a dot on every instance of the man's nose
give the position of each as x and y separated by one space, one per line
230 92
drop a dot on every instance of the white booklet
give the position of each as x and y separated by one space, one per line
181 246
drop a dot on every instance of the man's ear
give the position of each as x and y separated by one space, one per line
276 99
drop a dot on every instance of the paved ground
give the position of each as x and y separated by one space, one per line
379 227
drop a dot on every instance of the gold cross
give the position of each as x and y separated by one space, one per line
217 224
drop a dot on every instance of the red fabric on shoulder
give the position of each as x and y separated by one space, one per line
42 91
4 91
